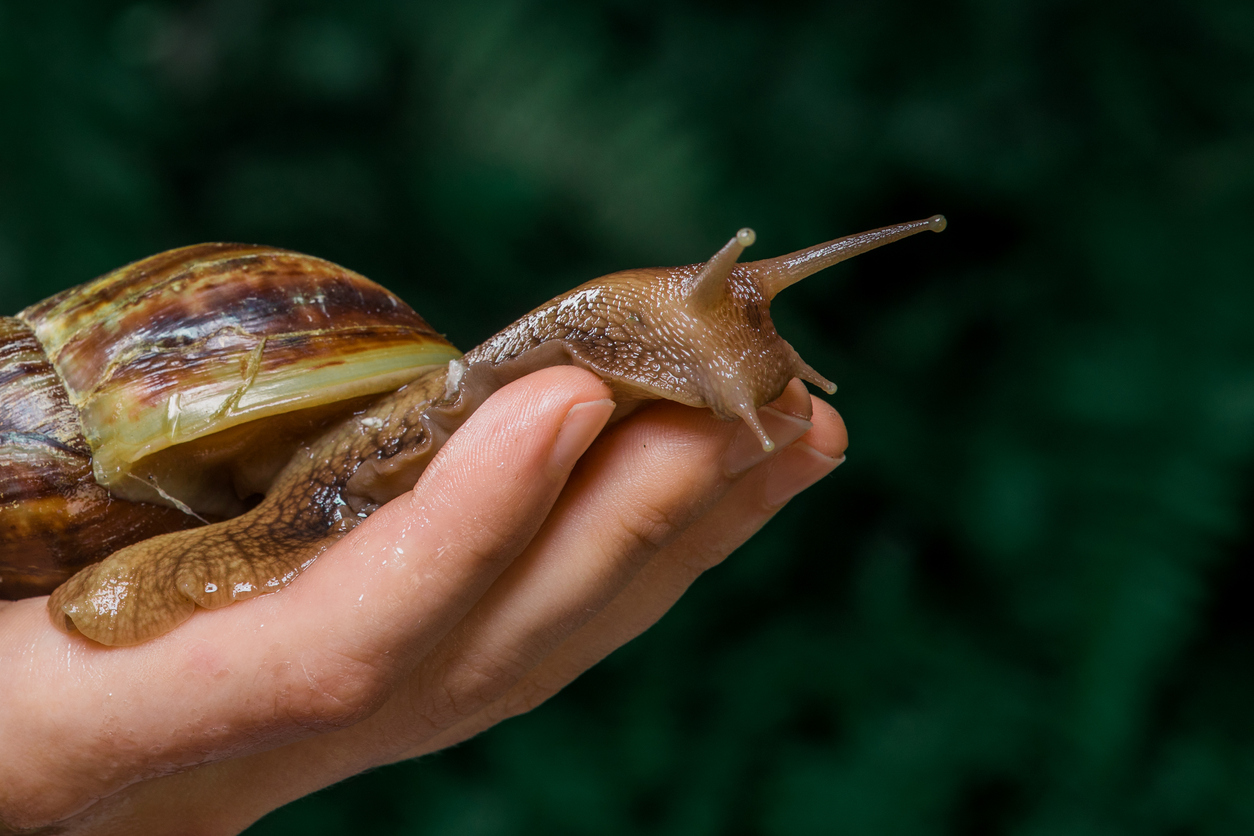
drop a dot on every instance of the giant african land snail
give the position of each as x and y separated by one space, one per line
174 392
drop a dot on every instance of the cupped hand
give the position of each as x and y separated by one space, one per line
524 555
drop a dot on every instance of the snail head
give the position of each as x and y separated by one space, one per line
701 334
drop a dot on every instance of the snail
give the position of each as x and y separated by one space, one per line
195 428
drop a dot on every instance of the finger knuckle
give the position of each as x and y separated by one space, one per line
477 680
329 691
647 527
532 692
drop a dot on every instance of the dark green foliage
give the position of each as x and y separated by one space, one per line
1021 607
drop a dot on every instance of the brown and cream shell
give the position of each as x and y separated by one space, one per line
183 381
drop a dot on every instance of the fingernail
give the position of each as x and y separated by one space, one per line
746 450
796 469
579 429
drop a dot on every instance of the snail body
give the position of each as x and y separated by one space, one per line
197 427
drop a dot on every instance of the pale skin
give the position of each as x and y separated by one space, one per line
499 579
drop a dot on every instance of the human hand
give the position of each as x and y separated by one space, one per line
500 578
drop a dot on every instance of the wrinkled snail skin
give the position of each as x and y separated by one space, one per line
196 428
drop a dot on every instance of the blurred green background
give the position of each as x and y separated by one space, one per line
1022 606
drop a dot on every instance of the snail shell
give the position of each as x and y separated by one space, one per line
281 399
172 390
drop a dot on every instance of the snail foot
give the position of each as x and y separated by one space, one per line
151 587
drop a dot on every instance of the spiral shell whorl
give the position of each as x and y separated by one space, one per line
209 338
54 518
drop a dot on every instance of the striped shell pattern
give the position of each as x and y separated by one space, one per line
185 380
